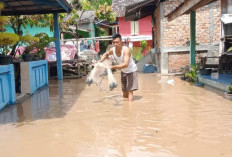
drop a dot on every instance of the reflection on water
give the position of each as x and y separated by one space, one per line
166 119
31 109
49 102
60 87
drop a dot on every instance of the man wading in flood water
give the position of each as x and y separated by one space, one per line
129 76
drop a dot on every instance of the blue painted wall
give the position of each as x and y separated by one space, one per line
32 31
38 72
7 85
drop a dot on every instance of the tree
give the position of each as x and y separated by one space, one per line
102 11
19 22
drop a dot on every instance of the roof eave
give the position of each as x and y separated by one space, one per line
140 10
29 9
186 7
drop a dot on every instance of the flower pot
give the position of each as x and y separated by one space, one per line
36 58
5 59
27 57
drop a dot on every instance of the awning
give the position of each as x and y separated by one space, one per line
30 7
140 10
226 18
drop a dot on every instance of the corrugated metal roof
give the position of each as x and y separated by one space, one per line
30 7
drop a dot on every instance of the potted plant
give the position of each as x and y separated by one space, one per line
6 41
30 47
44 41
192 75
228 94
27 56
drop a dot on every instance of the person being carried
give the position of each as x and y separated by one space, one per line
123 57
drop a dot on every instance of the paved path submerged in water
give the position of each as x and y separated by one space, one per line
70 119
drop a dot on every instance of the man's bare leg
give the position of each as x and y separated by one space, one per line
125 94
130 96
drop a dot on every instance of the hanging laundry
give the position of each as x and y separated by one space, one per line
97 46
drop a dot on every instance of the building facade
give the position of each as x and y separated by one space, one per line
171 39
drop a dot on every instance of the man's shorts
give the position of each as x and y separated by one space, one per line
129 81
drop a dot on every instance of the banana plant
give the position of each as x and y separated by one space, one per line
192 74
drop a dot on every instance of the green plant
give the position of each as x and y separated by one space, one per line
192 74
6 41
137 54
105 12
143 44
44 41
230 88
229 49
30 43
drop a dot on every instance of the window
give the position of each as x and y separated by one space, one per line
134 27
115 29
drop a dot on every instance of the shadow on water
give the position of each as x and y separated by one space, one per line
50 102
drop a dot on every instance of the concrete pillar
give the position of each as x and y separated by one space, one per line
164 55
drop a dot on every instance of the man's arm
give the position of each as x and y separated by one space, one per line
126 59
106 55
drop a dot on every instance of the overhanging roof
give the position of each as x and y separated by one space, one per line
186 7
30 7
140 10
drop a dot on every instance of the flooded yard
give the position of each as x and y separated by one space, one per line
169 118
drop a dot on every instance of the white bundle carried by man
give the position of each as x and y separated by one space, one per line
98 73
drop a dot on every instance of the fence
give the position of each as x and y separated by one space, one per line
34 75
7 85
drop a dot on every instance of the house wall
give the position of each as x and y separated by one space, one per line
124 26
145 26
176 33
156 28
32 31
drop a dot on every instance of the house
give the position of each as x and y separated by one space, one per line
223 79
132 31
171 39
85 23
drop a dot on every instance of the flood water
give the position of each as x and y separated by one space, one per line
169 118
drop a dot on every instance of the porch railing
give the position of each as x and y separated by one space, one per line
34 75
7 85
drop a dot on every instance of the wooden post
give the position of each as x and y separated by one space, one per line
193 38
58 51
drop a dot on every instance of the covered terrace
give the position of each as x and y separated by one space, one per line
32 7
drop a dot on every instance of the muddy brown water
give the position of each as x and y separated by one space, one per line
70 119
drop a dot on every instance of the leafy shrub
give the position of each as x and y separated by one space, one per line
7 40
192 74
230 88
143 44
137 53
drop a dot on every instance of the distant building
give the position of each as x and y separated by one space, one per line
132 31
